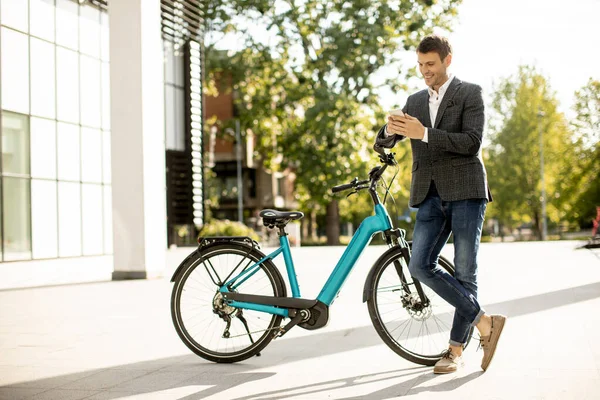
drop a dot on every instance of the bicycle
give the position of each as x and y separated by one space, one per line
216 310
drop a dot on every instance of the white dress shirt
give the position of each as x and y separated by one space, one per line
435 99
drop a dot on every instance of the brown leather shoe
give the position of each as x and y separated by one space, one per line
448 363
489 343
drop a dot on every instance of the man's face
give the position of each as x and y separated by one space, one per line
433 68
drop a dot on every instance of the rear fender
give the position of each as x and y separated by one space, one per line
187 261
211 241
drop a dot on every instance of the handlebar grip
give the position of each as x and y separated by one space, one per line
341 188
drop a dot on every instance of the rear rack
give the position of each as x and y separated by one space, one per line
208 240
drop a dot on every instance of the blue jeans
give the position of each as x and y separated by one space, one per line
436 219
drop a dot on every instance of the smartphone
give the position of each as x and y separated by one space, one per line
397 112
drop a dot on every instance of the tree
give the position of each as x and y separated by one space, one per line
524 109
308 90
584 190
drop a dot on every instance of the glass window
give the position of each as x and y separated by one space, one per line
91 155
41 18
44 220
91 204
281 187
42 79
106 166
178 70
15 71
67 80
43 148
69 219
106 96
14 14
104 37
90 91
180 119
170 125
89 30
174 118
108 227
68 152
169 62
16 219
67 23
15 143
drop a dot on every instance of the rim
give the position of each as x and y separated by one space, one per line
422 334
197 296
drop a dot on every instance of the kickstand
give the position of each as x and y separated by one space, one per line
241 318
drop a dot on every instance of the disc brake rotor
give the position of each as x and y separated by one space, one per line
413 305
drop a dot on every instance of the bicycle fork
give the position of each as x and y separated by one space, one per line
407 299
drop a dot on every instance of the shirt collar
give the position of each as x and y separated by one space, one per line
442 90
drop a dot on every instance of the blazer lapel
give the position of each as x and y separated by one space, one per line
454 85
424 105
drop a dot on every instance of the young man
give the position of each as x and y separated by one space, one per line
449 187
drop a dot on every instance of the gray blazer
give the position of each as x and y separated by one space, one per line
452 155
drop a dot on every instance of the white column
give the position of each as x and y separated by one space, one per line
137 137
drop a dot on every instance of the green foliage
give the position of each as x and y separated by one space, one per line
584 192
211 195
226 228
524 107
305 87
357 207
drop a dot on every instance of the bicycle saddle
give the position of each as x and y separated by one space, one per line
274 217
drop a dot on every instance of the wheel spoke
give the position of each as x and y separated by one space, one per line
399 323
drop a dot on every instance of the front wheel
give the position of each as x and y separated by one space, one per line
418 332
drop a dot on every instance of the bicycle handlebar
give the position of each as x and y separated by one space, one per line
352 185
374 174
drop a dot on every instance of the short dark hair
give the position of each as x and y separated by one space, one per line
438 44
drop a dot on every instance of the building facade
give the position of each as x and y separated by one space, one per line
101 121
260 188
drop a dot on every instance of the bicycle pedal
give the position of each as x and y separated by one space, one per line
296 319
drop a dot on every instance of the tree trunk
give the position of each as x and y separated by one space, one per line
333 224
304 228
313 225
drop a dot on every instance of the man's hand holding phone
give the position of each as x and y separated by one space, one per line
403 124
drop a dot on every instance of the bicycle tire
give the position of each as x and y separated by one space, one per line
204 257
380 326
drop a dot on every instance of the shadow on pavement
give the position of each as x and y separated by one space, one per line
354 381
191 370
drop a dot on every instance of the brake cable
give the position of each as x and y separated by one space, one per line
387 190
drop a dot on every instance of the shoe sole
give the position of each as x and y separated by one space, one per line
500 328
438 372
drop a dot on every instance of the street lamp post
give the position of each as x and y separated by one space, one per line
238 156
544 223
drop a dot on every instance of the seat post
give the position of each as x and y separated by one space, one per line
282 231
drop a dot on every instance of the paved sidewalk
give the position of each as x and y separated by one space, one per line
115 340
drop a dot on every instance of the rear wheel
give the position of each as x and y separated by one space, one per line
418 332
205 323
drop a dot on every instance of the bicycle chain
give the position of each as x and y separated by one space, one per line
264 330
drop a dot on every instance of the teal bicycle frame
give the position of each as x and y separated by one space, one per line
370 226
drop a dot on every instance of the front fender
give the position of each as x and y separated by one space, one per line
367 292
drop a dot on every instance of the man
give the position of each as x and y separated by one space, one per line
449 187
